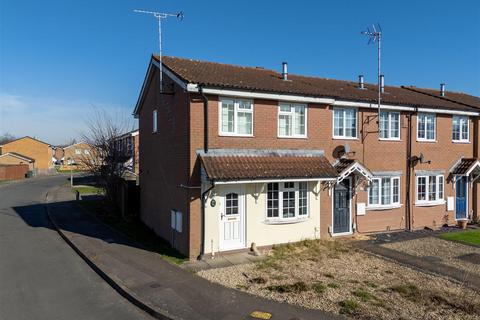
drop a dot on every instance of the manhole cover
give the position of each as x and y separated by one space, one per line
470 257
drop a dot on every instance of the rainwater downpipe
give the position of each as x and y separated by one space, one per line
205 150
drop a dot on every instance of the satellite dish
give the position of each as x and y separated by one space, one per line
347 148
339 152
421 157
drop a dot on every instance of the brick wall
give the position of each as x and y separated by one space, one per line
164 159
13 172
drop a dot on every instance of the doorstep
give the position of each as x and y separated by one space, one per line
221 260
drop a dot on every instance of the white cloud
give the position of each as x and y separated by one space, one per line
55 121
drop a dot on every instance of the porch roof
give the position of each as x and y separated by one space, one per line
345 167
466 166
235 165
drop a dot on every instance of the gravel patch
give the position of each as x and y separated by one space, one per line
447 252
333 276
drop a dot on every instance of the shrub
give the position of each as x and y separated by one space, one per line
349 307
363 294
319 287
296 287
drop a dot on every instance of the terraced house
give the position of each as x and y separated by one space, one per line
236 155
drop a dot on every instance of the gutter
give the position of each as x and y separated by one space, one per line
408 195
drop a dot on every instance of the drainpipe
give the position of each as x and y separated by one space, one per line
202 233
205 119
408 195
476 124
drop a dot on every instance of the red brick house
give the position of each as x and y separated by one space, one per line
236 155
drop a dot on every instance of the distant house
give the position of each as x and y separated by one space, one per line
12 158
31 148
128 144
75 156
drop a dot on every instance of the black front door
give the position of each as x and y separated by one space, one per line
341 207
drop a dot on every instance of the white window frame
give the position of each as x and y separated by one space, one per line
467 140
281 189
379 205
236 110
389 129
292 114
427 202
425 139
344 136
154 121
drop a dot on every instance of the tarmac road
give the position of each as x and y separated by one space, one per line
41 277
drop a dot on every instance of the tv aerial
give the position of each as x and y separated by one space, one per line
160 16
374 35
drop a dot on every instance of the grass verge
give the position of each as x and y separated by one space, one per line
468 237
88 190
135 230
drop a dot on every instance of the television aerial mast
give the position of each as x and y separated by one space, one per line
160 16
375 35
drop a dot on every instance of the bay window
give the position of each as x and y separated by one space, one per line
426 127
344 123
287 201
390 125
292 120
430 189
384 192
236 117
460 129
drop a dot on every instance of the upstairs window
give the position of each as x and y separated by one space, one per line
287 201
426 127
389 125
430 189
460 129
236 117
344 123
384 192
154 121
78 151
292 120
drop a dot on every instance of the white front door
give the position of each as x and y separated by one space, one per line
232 218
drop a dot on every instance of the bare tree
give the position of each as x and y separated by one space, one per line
106 159
6 138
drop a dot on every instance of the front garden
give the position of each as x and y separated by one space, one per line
335 276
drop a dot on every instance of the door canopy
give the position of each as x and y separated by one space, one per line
466 167
347 167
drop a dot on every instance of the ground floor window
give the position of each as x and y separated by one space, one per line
384 192
429 189
287 200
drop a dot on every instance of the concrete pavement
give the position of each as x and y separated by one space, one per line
40 276
163 289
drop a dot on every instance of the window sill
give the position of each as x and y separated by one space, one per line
427 141
286 221
380 208
392 140
236 135
292 137
460 142
344 138
430 204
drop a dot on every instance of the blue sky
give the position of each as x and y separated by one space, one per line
58 59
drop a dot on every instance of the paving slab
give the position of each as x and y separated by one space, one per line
164 290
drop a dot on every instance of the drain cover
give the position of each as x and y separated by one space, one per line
155 285
470 257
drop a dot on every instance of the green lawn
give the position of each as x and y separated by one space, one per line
88 190
468 237
135 230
